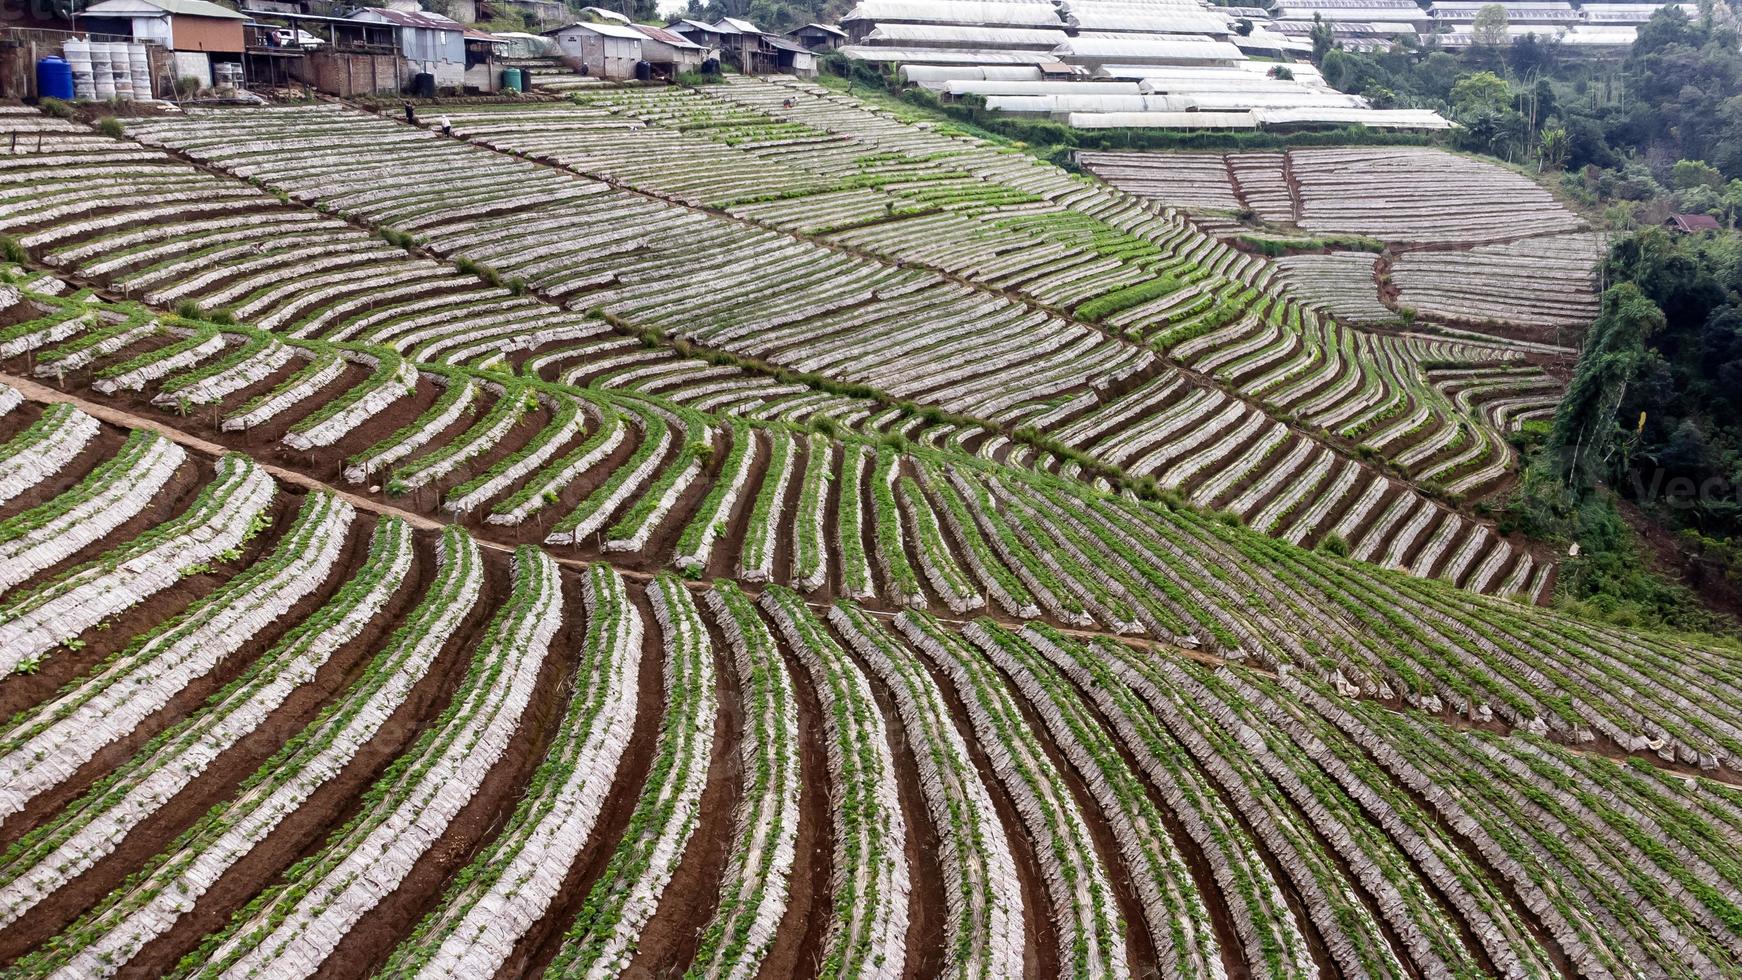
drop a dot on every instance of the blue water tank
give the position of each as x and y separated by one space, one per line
54 79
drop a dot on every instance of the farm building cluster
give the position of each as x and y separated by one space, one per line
184 46
1181 64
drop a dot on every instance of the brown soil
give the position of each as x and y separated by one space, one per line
1238 455
372 939
171 499
668 943
799 940
1139 942
833 582
663 540
21 417
101 447
540 944
304 831
723 561
1041 952
1290 479
217 783
1203 876
785 511
63 664
192 697
928 903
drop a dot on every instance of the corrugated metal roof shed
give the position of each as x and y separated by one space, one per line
1159 48
1441 7
1232 81
1304 74
1372 118
738 25
1601 35
601 28
419 19
1130 6
1046 104
1262 40
1286 9
1161 120
971 12
941 74
664 36
945 56
1159 22
960 36
1001 87
151 8
1273 99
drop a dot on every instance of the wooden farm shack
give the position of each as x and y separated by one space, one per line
669 53
457 56
818 37
746 46
792 59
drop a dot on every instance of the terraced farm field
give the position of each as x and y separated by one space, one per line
737 533
1469 244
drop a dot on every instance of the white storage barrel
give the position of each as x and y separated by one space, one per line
139 63
78 55
121 71
102 70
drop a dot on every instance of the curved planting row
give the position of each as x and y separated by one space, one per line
756 886
81 834
600 940
868 934
228 511
294 927
510 884
583 257
951 529
1118 246
1096 806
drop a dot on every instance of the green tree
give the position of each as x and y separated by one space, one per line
1483 93
1688 174
1489 29
1732 201
1321 36
1585 432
